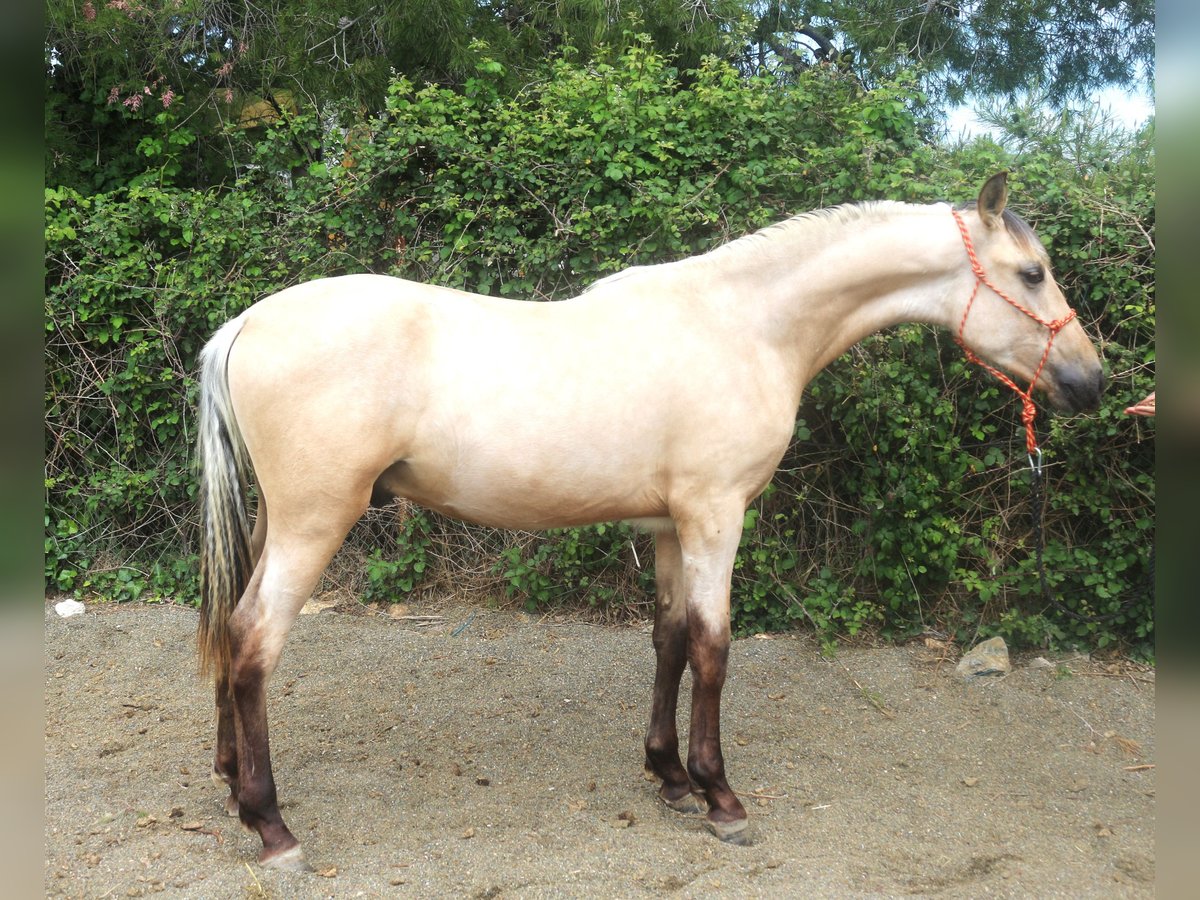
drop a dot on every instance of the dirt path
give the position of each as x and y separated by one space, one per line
490 755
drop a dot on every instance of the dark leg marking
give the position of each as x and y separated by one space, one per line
708 655
670 647
258 805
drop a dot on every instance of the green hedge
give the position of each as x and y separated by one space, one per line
901 505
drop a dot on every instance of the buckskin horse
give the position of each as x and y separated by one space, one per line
664 394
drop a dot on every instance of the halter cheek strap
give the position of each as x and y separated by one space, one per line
1028 410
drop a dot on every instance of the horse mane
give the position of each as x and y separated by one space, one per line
811 228
814 224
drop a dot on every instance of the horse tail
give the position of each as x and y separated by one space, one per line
225 555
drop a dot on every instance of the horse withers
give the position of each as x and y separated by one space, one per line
665 394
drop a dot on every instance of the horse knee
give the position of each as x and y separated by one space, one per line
708 656
670 643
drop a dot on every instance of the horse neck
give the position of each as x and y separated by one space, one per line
822 285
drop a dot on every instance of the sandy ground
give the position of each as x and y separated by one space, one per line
491 754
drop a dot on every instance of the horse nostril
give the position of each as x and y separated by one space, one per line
1082 389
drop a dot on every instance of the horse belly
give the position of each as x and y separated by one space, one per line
524 485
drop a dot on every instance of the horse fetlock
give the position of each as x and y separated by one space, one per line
707 772
662 755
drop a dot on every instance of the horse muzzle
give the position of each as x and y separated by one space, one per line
1076 389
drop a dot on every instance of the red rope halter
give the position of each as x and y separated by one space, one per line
1028 410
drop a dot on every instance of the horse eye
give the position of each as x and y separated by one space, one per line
1034 275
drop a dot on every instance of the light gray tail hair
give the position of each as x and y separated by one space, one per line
225 555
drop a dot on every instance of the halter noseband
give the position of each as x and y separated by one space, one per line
1028 410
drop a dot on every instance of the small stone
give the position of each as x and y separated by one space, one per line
970 781
468 834
987 658
68 608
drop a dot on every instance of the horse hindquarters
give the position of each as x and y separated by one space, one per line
254 586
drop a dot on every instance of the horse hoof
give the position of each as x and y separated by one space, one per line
736 832
689 804
231 806
290 860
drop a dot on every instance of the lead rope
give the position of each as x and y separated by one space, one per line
1037 508
1028 413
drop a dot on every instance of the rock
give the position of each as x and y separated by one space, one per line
988 658
69 608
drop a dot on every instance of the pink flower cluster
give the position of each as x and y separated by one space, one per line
134 100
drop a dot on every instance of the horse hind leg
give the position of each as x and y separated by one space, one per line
224 772
670 648
292 561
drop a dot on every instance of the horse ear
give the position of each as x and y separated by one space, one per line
992 199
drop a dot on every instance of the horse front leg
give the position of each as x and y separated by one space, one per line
708 550
670 648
